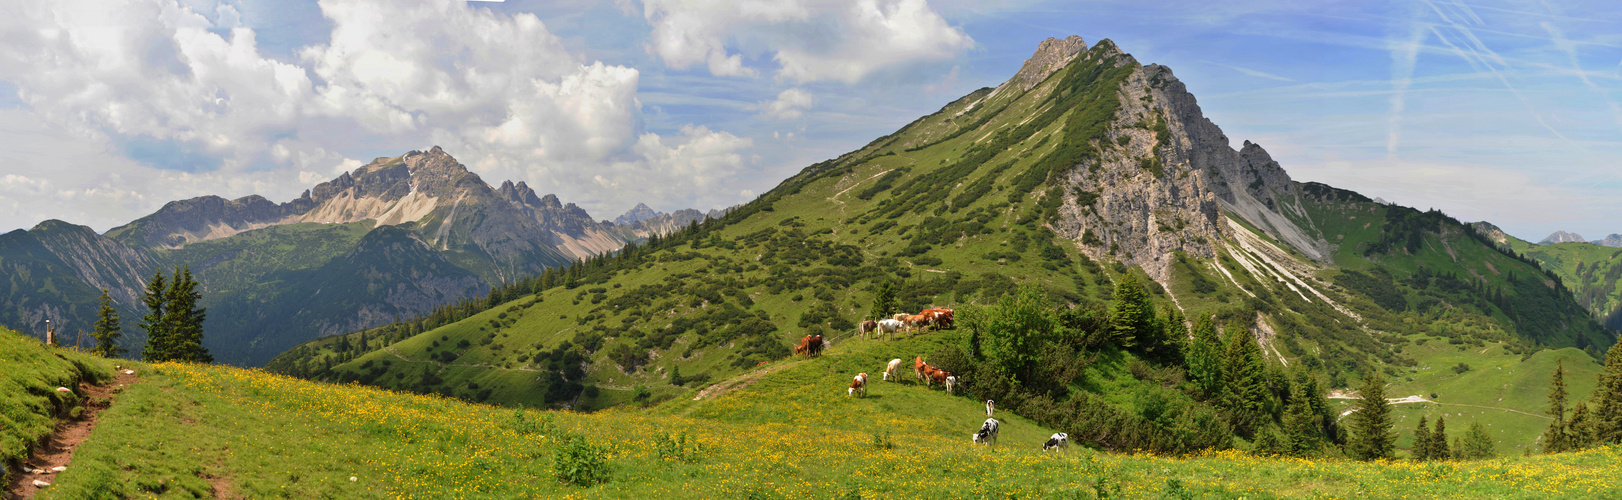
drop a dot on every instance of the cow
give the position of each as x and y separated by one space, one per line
889 326
918 366
988 432
917 321
858 384
899 316
800 349
940 318
810 345
939 376
951 384
1060 441
816 345
990 405
868 327
890 370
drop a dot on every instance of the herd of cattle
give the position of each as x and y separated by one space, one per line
812 345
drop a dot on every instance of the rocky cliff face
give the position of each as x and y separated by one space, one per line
1613 241
1051 55
1166 176
96 260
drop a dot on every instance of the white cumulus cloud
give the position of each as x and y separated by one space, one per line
790 104
811 40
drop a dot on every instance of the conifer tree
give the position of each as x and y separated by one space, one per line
1205 359
1477 443
1422 440
185 319
1607 407
1300 423
1372 437
107 329
1438 449
1133 316
157 331
1580 429
1554 437
1245 393
883 302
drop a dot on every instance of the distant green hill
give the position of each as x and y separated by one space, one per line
1068 180
1589 270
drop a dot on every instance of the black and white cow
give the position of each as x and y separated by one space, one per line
1059 441
990 405
988 432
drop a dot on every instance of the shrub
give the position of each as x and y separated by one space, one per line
581 463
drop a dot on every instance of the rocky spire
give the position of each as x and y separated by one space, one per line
1050 55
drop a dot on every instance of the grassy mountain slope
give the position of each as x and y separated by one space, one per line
789 433
1590 271
963 206
30 405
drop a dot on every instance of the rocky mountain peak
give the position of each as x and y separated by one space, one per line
1562 237
551 201
1614 241
639 213
1489 230
1050 55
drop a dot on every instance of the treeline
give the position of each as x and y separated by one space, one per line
1034 358
1588 424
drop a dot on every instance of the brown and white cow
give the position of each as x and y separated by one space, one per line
858 384
868 327
918 365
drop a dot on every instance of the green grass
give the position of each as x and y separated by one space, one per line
198 431
30 373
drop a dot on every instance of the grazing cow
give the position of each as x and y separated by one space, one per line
889 326
810 345
939 377
990 405
858 384
890 370
868 326
800 349
988 432
1059 441
940 318
918 366
816 345
917 321
951 384
899 316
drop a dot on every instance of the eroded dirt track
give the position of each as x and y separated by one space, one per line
57 450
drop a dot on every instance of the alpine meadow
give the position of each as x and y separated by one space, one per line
1077 255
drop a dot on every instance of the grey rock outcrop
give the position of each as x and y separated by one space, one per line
1563 237
639 213
1051 55
1613 241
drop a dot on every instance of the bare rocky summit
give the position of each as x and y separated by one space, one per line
1563 237
1051 55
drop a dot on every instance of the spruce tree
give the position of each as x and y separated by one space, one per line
1301 423
1245 393
185 319
1422 440
1438 449
1477 443
1580 429
107 329
1133 317
157 332
1607 407
883 302
1554 437
1205 359
1372 437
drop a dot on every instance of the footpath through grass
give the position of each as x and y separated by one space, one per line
202 431
30 373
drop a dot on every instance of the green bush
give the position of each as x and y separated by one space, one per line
581 463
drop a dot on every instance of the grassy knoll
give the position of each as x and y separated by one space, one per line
29 401
190 430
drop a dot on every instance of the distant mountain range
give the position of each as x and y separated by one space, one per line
394 238
1613 241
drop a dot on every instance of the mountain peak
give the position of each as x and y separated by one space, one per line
1050 55
639 213
1614 241
1562 237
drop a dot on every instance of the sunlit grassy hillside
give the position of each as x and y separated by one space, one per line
198 431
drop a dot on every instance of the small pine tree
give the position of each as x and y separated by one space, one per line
1372 437
1607 401
1422 440
1477 443
1132 321
883 302
1245 393
1554 437
1301 423
1580 429
185 319
157 332
1205 359
1439 449
108 330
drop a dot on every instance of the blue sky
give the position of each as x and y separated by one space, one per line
1503 111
